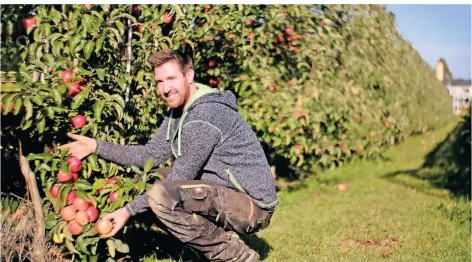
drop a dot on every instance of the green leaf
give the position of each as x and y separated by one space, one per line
117 98
56 96
111 247
120 26
101 74
97 109
79 99
70 246
41 125
74 42
121 83
88 48
82 185
98 45
92 160
118 109
98 184
121 247
18 103
29 108
148 165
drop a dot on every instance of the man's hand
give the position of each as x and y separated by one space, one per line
82 147
118 219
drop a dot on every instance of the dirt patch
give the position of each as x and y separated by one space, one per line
384 246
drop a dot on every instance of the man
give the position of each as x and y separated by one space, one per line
220 184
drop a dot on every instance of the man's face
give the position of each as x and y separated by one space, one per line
172 85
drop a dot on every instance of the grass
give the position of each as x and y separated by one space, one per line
393 210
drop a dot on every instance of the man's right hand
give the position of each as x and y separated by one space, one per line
82 147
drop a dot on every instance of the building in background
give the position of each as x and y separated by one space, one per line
459 89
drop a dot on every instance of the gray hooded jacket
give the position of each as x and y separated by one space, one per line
210 142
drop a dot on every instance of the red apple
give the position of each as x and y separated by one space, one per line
288 30
386 123
80 204
88 6
167 18
92 213
104 226
206 9
250 36
68 213
64 177
54 190
28 22
75 176
211 63
71 196
66 76
341 187
111 180
74 228
135 9
74 164
74 89
82 217
249 23
113 196
140 28
79 121
272 88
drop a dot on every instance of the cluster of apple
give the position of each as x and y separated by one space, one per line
78 212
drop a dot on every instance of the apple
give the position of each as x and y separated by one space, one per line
78 121
135 9
211 63
66 76
71 196
82 217
167 18
249 23
341 186
288 30
386 123
92 213
74 227
18 213
250 36
113 196
88 6
104 226
140 28
272 88
68 213
80 204
207 8
55 190
64 177
74 164
111 180
28 22
74 88
75 176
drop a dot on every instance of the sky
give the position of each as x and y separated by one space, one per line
437 31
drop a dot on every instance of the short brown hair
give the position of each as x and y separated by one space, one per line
161 57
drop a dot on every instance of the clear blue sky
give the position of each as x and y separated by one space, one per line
437 31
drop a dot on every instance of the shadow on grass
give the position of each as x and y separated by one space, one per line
446 169
156 244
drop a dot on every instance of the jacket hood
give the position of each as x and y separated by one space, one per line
204 94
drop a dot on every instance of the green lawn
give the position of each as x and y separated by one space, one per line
392 210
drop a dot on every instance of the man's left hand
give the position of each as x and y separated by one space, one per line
118 218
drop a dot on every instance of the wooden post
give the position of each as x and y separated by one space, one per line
39 241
